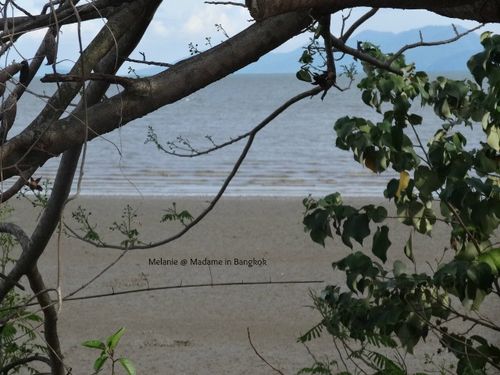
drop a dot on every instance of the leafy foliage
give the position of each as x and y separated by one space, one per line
107 352
18 339
393 307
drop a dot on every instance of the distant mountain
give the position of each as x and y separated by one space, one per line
447 57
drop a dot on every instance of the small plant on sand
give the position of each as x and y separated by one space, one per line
382 313
107 352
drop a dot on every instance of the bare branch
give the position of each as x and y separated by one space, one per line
361 20
189 286
17 186
226 3
155 63
229 178
23 361
109 78
21 9
260 356
422 43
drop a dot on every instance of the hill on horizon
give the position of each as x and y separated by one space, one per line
447 57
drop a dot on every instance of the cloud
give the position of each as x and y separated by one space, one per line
160 29
202 22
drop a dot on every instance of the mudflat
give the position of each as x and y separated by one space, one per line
203 329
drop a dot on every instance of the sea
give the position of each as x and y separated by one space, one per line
295 155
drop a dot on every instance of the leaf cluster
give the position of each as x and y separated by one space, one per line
107 352
443 180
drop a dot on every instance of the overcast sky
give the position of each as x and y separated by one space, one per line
177 23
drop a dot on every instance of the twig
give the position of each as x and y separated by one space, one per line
102 272
246 149
145 62
429 44
17 186
110 78
35 358
172 287
226 3
345 36
260 356
21 9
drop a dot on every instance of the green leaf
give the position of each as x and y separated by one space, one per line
398 268
100 361
114 339
445 109
494 138
427 180
381 243
415 119
377 214
357 227
94 344
408 249
127 365
304 75
318 225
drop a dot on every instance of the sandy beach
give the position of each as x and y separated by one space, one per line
204 330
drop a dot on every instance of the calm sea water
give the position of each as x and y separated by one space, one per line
294 156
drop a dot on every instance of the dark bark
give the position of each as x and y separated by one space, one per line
477 10
45 138
49 322
16 26
151 93
52 213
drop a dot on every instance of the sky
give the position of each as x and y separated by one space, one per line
178 23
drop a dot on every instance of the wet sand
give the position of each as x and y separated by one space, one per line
203 330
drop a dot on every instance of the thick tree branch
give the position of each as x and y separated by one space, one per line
167 87
52 213
477 10
14 27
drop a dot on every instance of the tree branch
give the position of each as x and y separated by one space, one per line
49 322
145 62
23 361
14 27
260 356
189 286
477 10
109 78
226 3
361 20
341 46
167 87
422 43
251 137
